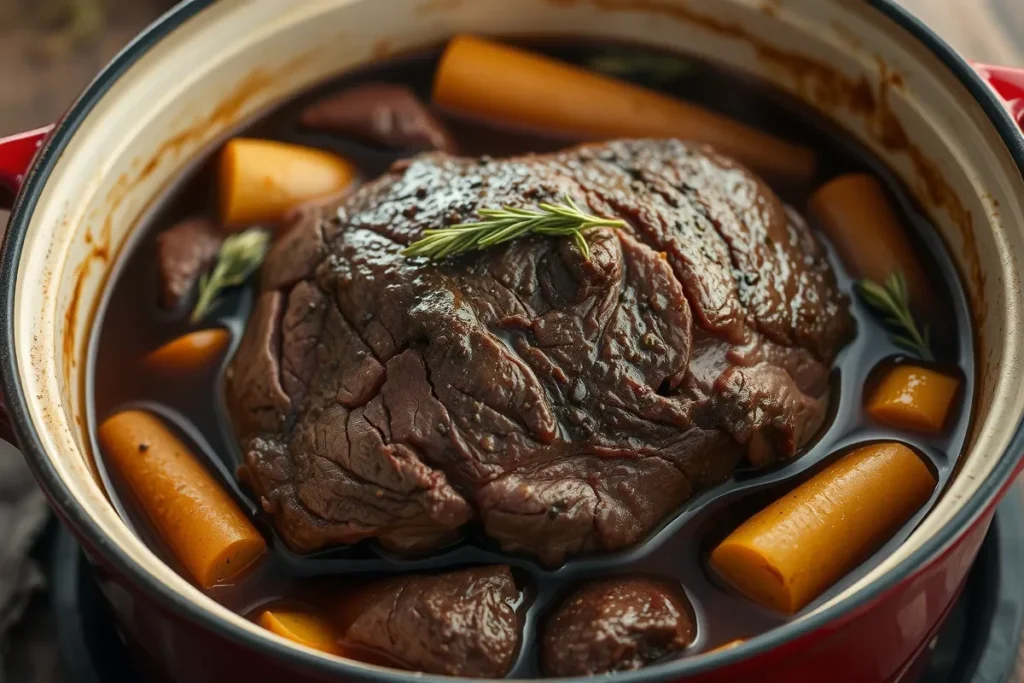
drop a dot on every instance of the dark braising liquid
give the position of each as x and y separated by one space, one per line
132 324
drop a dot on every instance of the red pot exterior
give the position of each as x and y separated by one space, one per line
895 629
16 154
880 640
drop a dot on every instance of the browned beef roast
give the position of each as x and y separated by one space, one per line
568 405
616 624
462 623
383 113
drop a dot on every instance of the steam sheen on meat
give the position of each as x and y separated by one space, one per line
566 405
462 623
616 624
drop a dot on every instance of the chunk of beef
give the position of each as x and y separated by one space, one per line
183 253
616 624
382 113
462 623
566 404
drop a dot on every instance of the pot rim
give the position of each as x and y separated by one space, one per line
72 513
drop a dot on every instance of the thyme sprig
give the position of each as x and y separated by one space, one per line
239 256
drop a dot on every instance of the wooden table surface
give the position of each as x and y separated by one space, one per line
35 91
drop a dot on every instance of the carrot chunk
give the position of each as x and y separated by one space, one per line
261 180
787 554
305 629
189 352
200 523
496 82
915 398
855 213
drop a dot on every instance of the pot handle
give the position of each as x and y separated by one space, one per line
16 154
1008 82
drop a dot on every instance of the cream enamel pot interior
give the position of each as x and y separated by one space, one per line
206 68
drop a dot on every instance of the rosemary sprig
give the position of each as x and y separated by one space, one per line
497 226
238 257
892 301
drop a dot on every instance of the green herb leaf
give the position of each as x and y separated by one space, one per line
634 63
891 302
239 256
498 226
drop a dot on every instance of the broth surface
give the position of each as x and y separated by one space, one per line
132 325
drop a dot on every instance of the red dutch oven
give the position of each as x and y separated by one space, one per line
949 129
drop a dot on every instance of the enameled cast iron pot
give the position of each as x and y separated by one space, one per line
206 67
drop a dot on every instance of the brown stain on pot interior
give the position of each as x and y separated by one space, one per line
771 7
101 253
830 91
382 48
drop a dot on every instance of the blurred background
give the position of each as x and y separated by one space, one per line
51 49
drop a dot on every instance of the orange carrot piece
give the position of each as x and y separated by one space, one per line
787 554
855 213
915 398
200 523
496 82
189 352
305 629
261 180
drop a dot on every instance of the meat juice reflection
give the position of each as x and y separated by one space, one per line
598 424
